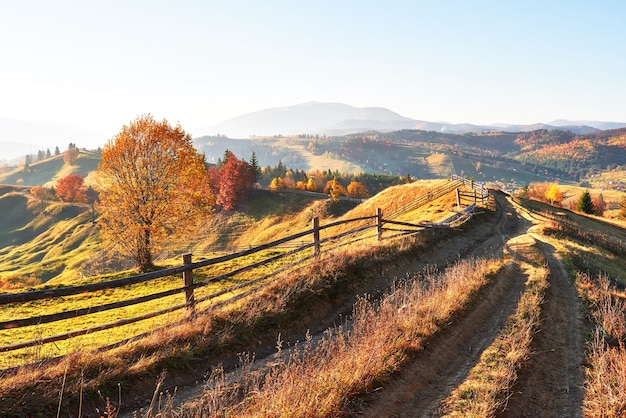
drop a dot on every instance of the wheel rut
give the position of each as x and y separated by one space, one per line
432 373
550 383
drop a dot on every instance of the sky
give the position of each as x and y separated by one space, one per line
97 65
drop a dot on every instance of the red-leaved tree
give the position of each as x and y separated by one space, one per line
71 188
232 182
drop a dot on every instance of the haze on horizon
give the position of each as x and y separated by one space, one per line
95 66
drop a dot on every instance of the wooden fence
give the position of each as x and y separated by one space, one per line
374 222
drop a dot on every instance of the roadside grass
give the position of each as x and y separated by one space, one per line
320 380
487 387
598 269
605 384
293 297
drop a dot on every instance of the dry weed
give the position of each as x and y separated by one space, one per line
320 380
487 387
605 384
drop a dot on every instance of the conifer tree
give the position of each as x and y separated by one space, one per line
585 204
254 163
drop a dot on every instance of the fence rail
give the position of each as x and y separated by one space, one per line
375 222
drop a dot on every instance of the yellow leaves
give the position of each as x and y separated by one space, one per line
553 194
153 183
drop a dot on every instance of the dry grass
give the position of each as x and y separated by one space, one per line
318 380
487 388
227 329
605 384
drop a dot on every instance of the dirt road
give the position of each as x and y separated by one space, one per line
549 384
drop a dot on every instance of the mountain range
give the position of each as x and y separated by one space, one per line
18 138
341 119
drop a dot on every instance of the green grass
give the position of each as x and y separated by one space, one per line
63 241
86 300
46 172
44 245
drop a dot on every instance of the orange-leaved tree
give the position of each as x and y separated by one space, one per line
42 194
357 190
71 188
153 183
335 189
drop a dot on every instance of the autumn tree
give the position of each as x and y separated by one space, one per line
70 156
585 204
335 189
71 188
357 190
553 194
310 185
277 184
233 181
92 196
40 193
599 205
152 183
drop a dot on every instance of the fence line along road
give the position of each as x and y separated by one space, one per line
374 222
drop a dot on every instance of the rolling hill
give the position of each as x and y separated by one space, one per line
46 172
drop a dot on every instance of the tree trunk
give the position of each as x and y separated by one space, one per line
144 257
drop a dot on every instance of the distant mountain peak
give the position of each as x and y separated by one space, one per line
332 118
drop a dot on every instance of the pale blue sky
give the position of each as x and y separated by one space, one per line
99 64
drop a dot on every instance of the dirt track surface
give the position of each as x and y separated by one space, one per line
550 382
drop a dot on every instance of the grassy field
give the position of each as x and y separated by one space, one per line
110 336
273 222
46 172
43 246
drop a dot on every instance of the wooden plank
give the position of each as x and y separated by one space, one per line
44 319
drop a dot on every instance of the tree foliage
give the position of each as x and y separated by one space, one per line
233 181
71 188
335 189
256 168
553 194
43 194
152 183
357 190
599 205
71 155
585 204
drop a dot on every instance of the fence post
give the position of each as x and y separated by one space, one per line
316 236
188 278
379 224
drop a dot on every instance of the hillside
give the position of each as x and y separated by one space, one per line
61 245
514 319
47 171
40 246
507 159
